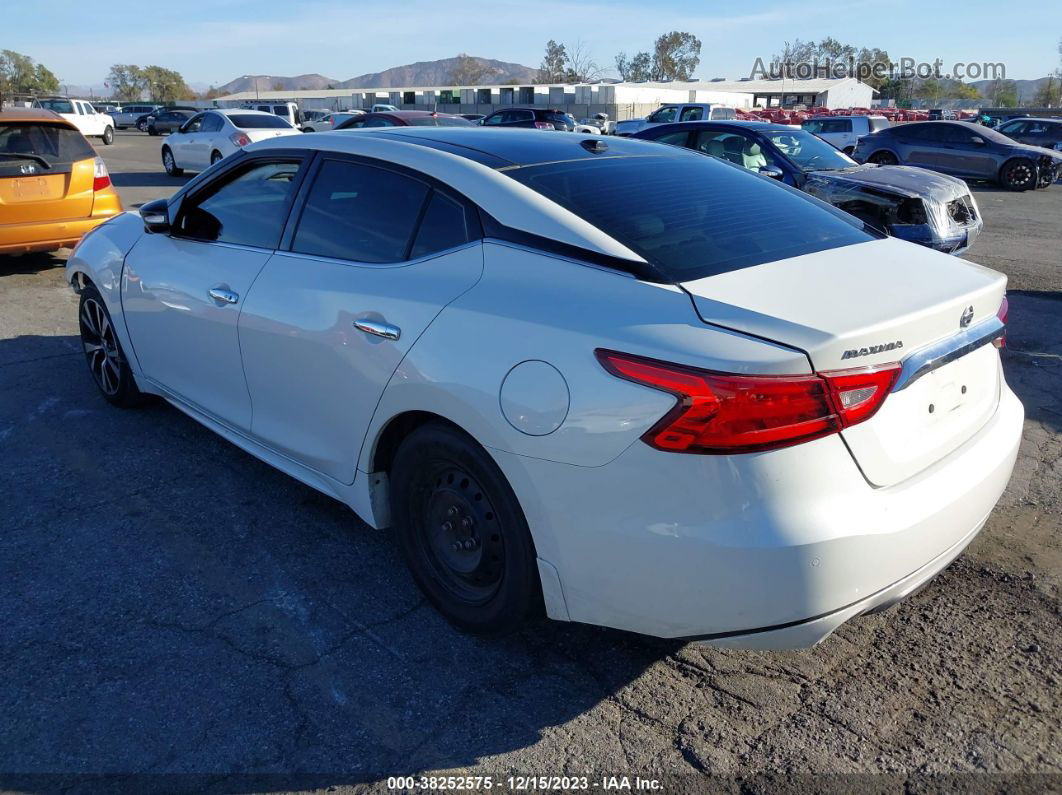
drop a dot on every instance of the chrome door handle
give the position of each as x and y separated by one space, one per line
221 294
385 330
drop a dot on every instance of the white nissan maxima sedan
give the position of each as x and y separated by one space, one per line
709 407
207 137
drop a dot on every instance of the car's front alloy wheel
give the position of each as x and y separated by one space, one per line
883 158
1019 174
169 163
103 352
462 531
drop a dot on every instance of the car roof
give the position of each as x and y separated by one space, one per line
408 114
738 124
33 114
506 148
241 111
472 161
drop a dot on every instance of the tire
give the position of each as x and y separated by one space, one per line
1019 174
169 163
152 130
103 352
462 532
884 157
848 150
108 136
215 157
142 126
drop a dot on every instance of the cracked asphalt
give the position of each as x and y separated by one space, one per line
175 615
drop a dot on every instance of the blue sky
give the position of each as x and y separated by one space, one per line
213 41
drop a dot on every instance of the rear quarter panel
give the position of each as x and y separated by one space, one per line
532 307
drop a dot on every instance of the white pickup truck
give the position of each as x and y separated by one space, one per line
82 115
681 111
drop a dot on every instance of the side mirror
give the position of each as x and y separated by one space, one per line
770 171
156 216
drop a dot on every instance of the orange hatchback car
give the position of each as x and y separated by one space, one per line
53 187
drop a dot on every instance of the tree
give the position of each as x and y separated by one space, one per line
1001 93
675 56
1049 94
126 82
634 70
960 90
46 82
19 74
278 86
930 90
468 71
554 64
832 58
165 85
211 93
580 66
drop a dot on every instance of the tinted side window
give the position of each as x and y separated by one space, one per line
248 210
692 113
673 138
878 124
359 212
211 123
442 227
195 125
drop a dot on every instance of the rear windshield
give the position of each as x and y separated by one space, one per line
437 121
252 121
57 105
692 216
50 147
878 123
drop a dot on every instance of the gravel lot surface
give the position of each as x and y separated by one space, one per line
183 617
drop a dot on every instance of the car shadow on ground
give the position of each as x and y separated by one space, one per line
147 179
173 607
12 264
1032 359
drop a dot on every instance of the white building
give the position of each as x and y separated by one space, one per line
618 100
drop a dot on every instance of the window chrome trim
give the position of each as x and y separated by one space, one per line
935 356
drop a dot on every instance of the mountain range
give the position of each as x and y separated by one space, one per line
1026 88
422 73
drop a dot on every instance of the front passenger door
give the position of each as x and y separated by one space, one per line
182 293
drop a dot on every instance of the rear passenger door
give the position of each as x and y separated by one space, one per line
370 259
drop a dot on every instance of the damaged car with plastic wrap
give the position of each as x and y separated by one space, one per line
913 204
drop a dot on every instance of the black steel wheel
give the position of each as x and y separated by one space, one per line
103 352
883 158
1019 174
462 532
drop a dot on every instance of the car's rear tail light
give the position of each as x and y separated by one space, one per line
240 139
100 178
726 413
542 125
1004 311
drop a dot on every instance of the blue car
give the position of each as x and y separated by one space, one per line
913 204
962 149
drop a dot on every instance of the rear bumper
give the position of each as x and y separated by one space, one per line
770 550
50 235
